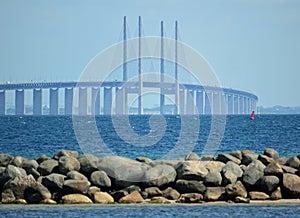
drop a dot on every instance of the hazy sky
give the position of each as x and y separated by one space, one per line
253 45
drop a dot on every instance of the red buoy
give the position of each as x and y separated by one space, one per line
252 116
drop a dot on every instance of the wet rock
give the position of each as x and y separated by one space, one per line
214 194
134 197
5 159
143 160
237 154
291 186
236 190
293 162
124 171
159 175
153 191
191 156
100 179
54 181
214 166
67 164
76 175
76 199
67 153
192 170
190 198
171 194
103 198
231 172
272 153
227 157
48 166
213 179
88 163
274 169
18 185
254 195
253 174
265 159
269 183
36 193
160 200
189 186
76 186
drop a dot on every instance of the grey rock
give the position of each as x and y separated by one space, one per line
192 156
265 159
214 194
117 195
248 157
33 172
67 153
189 186
76 186
171 194
159 175
290 186
287 169
143 160
231 172
5 159
253 174
67 164
27 164
7 196
42 158
276 195
236 190
18 161
76 175
274 169
293 162
172 163
269 183
213 166
213 179
207 158
153 191
227 157
54 181
19 184
11 172
272 153
190 198
92 190
100 179
88 163
255 195
192 170
48 166
237 154
242 200
36 193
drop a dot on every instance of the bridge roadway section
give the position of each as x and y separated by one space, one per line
194 99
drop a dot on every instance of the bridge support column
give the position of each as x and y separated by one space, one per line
68 101
190 103
216 103
236 104
208 103
230 104
241 104
54 101
37 102
199 102
2 102
224 103
19 102
107 101
181 102
120 95
82 101
95 104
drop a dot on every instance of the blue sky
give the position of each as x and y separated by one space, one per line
253 45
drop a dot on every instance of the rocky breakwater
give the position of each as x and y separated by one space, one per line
69 178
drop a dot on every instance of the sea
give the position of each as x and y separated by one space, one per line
156 137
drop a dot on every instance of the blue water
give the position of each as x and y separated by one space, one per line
31 137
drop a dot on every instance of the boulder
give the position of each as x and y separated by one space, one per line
172 163
159 200
276 195
103 198
192 156
20 201
190 198
171 194
265 159
237 154
254 195
76 175
92 190
11 172
290 186
236 190
269 183
28 164
48 166
227 157
242 200
272 153
48 201
231 172
54 181
159 175
253 174
153 191
214 194
36 193
124 171
19 184
33 172
192 170
5 159
18 161
207 158
76 186
7 196
143 160
76 199
189 186
100 179
88 163
213 179
248 157
123 192
68 153
134 197
42 158
290 170
67 164
214 166
274 169
293 162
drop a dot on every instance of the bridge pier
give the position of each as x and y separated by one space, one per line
95 104
224 103
82 107
19 102
216 103
208 103
119 100
68 101
181 102
107 101
37 101
2 102
190 103
199 102
230 104
241 104
53 101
